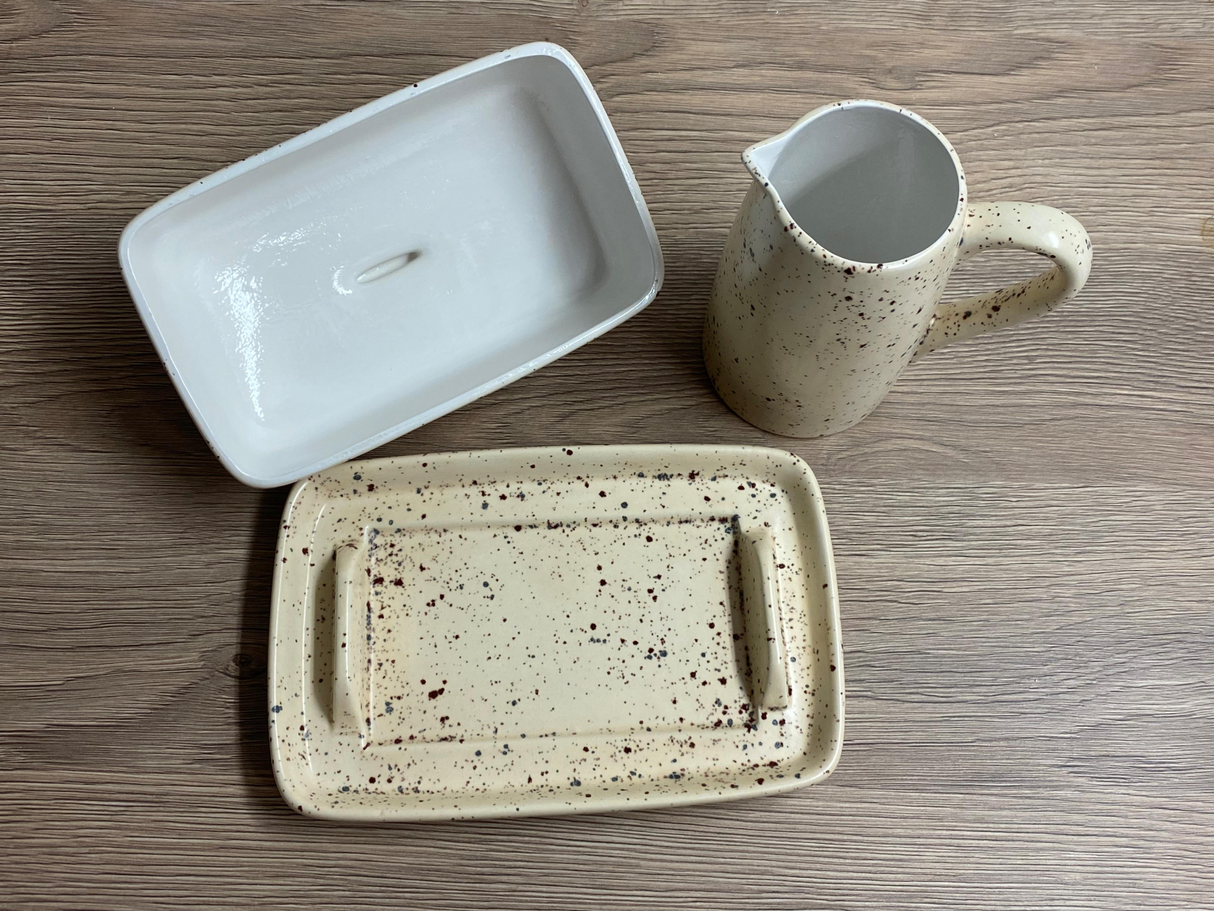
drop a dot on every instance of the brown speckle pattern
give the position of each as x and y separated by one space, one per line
558 651
804 343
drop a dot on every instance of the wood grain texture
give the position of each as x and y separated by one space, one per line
1024 530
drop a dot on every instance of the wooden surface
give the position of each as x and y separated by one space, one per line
1024 530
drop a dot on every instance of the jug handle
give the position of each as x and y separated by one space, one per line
1014 226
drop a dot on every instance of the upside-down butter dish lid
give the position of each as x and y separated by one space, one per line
387 267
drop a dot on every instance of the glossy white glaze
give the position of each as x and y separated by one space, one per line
383 269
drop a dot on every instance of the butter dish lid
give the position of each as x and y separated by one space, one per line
362 279
543 631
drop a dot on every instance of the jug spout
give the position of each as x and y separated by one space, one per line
760 158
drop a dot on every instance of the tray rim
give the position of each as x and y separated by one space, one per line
823 551
363 112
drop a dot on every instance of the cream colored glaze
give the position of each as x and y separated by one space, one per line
552 631
803 342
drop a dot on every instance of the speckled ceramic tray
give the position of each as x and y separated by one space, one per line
551 631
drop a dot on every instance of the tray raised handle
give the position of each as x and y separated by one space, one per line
761 612
349 639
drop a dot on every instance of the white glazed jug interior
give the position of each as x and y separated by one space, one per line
866 182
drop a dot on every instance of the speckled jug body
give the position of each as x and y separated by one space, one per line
832 276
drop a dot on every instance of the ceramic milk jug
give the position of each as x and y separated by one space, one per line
832 277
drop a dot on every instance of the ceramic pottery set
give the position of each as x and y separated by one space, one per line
552 630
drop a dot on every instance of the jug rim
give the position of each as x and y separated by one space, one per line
802 238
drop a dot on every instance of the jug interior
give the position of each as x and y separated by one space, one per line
867 183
